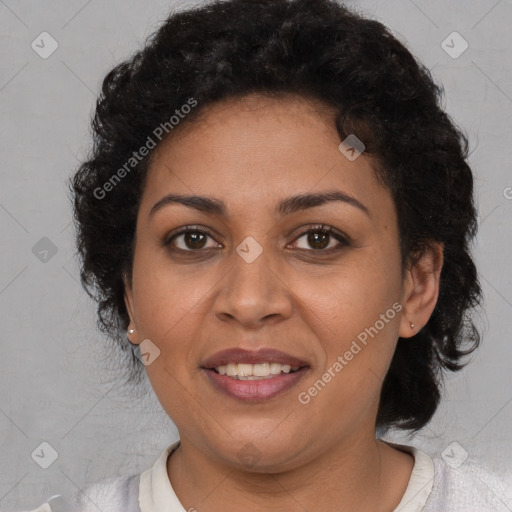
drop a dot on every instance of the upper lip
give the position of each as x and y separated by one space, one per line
240 355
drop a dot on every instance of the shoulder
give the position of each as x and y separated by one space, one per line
110 495
469 486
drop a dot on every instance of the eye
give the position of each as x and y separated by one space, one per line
319 238
190 239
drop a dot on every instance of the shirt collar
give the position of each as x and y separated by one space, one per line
421 480
155 490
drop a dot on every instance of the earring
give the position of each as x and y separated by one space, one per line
133 345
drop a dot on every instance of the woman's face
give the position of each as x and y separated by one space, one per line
257 272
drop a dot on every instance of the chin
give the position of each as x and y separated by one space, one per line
260 454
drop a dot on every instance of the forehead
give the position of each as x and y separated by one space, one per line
256 149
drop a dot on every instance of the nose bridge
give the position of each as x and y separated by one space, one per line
252 290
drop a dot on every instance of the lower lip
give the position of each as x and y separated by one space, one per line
255 390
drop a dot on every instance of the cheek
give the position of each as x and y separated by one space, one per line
357 321
165 295
353 295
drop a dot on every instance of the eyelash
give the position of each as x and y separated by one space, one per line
320 228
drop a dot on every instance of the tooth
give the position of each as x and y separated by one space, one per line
244 370
231 370
254 371
261 370
275 368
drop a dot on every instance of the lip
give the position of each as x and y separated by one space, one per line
255 390
240 355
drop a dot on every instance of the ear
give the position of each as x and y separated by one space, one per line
421 290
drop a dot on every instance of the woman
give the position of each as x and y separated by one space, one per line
278 213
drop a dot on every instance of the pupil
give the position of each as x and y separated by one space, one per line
194 240
313 240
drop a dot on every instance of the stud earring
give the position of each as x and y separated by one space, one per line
133 345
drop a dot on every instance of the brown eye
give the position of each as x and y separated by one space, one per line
321 238
318 240
194 239
190 239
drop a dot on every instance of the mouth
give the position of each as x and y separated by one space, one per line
254 376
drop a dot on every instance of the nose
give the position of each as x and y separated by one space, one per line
253 293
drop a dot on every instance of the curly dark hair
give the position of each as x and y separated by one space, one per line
320 50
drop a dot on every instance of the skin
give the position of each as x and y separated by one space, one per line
251 153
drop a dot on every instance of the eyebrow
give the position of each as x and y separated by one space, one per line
285 207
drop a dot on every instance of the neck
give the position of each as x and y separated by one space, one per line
358 475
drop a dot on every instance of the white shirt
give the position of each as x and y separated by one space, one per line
434 486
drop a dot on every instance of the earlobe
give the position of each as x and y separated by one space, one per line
421 290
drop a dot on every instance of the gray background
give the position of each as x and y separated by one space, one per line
55 378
